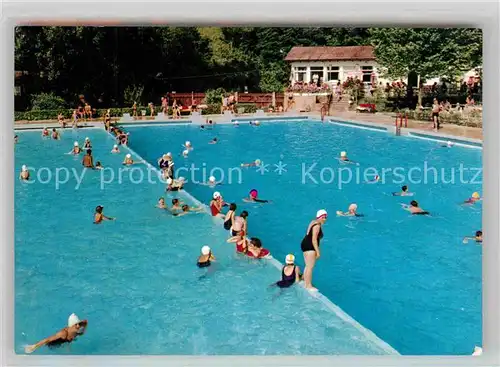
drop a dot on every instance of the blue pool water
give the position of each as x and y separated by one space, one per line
408 279
135 278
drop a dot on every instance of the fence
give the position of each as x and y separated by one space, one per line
261 100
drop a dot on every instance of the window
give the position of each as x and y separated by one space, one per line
367 74
332 73
315 70
299 73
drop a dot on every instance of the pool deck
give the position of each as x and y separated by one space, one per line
385 119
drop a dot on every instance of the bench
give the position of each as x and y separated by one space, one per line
366 107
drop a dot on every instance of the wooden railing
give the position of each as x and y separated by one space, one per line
259 99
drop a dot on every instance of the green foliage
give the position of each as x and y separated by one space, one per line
47 101
133 93
214 96
355 88
430 52
272 77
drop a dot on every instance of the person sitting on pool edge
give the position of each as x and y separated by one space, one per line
99 217
206 257
478 238
241 242
414 209
404 192
68 334
351 212
252 197
229 217
175 185
255 249
88 161
240 223
76 149
216 205
25 174
473 199
290 273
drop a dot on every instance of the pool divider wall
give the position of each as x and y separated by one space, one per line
370 335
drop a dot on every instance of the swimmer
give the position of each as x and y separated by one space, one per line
74 329
25 174
414 209
216 205
185 153
87 144
45 133
375 179
128 160
449 144
115 149
186 209
229 218
161 203
477 351
55 134
473 199
206 257
404 192
256 163
241 242
478 238
240 223
99 217
255 249
98 165
211 182
188 145
351 212
88 161
176 204
255 123
16 139
213 141
252 197
345 159
290 273
76 149
175 185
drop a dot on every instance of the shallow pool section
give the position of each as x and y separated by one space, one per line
135 278
410 280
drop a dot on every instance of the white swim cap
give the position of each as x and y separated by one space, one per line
353 207
129 155
343 154
477 351
75 144
205 250
211 179
73 320
169 181
321 213
290 259
449 143
181 179
188 143
169 154
185 152
257 161
216 195
87 138
115 146
24 168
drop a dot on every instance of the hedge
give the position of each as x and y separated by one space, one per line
35 115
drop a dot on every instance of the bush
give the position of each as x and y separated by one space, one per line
214 96
47 101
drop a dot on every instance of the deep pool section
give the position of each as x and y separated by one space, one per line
411 280
135 278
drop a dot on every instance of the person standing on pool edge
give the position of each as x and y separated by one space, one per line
310 246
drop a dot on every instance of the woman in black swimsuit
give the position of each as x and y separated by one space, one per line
229 219
310 246
206 257
290 274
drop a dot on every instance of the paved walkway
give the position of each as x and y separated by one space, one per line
379 118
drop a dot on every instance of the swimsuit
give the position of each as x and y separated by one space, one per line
214 210
421 213
240 248
228 223
286 280
203 264
307 244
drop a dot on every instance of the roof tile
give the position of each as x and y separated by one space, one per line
317 53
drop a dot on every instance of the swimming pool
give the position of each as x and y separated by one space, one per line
135 278
408 279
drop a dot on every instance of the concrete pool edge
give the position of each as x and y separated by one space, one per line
370 335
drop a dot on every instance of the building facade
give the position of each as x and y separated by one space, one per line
333 64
